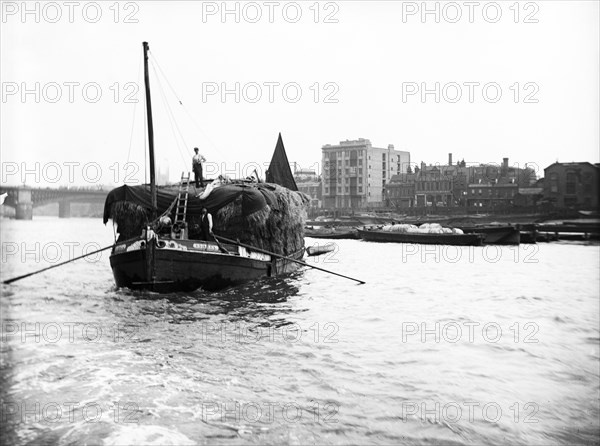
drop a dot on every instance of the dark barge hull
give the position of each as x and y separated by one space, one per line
186 265
426 239
497 235
333 235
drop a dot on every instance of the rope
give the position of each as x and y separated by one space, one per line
134 109
184 107
172 120
167 212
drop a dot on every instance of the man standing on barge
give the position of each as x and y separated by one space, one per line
197 161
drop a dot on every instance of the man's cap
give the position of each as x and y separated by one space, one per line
196 149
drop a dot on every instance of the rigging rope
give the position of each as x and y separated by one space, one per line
134 108
172 119
184 107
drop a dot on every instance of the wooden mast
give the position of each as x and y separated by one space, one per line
150 246
150 131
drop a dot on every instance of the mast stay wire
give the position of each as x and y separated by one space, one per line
134 110
216 148
145 147
172 120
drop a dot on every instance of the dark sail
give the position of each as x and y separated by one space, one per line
279 170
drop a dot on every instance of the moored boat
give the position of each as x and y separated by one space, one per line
378 235
337 233
496 235
529 233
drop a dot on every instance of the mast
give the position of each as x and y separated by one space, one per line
150 131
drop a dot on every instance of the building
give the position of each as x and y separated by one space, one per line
456 184
502 173
309 183
433 185
572 185
441 185
490 195
528 196
355 173
400 190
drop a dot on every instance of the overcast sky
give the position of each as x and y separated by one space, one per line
360 70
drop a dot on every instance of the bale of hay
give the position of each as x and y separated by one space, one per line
277 227
130 219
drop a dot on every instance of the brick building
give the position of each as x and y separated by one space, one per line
309 182
572 185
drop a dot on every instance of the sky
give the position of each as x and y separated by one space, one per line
481 80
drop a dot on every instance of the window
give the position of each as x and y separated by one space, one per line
347 189
571 183
587 184
339 190
554 182
360 189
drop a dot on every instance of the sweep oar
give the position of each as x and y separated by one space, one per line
264 251
14 279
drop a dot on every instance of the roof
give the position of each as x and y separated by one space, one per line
572 164
531 190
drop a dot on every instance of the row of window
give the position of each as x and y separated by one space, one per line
495 192
346 190
351 154
434 185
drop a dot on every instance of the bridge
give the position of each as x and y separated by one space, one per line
24 198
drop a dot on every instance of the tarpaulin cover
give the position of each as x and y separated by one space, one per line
254 198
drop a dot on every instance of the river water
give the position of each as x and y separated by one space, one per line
494 345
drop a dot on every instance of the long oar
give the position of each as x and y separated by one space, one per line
14 279
285 258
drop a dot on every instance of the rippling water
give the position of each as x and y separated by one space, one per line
454 345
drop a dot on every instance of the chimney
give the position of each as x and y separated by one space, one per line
505 163
423 165
449 159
